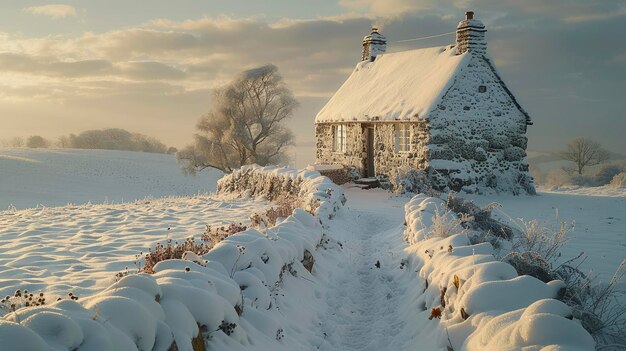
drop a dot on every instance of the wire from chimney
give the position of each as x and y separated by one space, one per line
428 37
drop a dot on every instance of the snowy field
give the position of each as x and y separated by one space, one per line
599 224
606 190
55 177
368 289
80 248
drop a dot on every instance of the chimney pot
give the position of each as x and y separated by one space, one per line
469 15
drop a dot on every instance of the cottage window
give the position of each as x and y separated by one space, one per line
339 138
403 138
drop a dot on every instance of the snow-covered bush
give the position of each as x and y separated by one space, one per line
174 250
542 240
619 181
214 235
445 224
599 307
316 194
478 219
606 174
285 205
410 180
582 180
556 178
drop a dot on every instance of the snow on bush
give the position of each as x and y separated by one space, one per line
222 297
480 301
619 181
318 195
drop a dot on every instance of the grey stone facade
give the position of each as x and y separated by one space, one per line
472 140
386 159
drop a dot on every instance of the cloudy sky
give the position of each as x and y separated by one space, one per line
149 65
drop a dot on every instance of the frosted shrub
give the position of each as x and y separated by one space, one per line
285 205
22 298
175 250
479 218
410 180
172 250
445 224
619 181
557 178
213 236
606 174
583 180
537 248
542 240
598 306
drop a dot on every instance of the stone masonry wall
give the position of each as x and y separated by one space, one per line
386 160
478 136
356 148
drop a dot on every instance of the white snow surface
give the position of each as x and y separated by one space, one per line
80 248
396 86
372 287
56 177
605 190
229 300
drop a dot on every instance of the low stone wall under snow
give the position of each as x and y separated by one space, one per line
227 298
481 302
318 194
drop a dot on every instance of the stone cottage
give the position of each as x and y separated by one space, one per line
443 110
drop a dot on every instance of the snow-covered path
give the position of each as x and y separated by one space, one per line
365 303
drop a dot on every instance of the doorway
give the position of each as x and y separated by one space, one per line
371 171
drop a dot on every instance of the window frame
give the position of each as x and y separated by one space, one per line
402 135
340 138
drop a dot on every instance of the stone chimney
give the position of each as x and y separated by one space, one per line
470 35
374 44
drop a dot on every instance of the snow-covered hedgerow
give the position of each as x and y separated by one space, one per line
226 299
317 194
481 302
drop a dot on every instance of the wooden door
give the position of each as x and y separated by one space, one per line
371 171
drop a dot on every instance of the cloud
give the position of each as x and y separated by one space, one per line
388 8
53 10
155 66
145 71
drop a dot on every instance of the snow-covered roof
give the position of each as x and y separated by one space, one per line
396 86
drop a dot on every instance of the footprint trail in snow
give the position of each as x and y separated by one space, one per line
364 301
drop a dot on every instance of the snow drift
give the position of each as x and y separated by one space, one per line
482 303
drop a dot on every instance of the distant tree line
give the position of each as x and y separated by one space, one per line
101 139
591 167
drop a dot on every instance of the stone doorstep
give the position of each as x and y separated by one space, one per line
367 183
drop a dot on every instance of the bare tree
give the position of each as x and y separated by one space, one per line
17 142
584 152
63 141
245 124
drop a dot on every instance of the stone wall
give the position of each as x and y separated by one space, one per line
356 147
478 136
386 159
